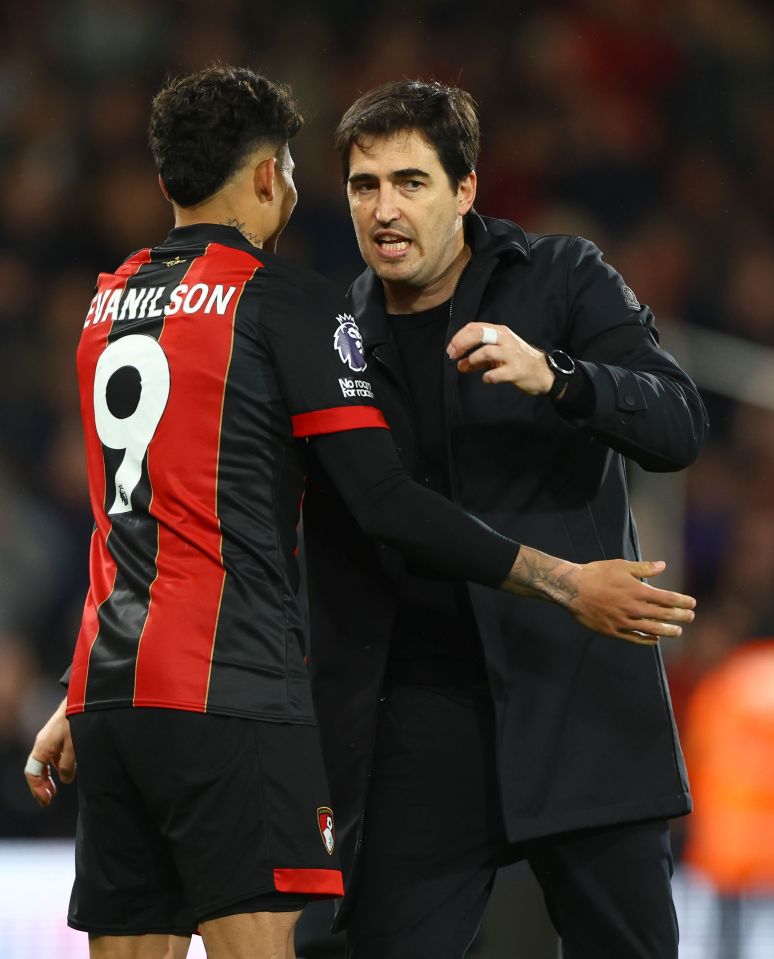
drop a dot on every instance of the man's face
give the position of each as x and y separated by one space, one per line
407 216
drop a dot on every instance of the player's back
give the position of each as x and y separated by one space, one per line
195 482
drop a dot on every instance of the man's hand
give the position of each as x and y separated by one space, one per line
607 596
509 360
53 747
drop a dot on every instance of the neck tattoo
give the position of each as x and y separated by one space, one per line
242 227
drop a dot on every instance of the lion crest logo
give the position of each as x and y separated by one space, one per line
348 341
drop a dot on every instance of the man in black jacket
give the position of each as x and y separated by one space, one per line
462 731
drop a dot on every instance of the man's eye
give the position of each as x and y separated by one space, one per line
412 184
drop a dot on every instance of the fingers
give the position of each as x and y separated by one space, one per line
669 608
484 358
66 765
615 602
503 356
654 629
640 639
666 598
465 339
53 748
671 614
660 597
656 621
37 772
643 608
500 374
646 632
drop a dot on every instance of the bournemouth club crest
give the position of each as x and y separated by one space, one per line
349 342
327 831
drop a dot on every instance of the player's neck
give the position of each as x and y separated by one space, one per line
219 210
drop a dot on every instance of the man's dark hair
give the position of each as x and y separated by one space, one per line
445 116
203 127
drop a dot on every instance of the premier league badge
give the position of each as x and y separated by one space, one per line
327 831
349 343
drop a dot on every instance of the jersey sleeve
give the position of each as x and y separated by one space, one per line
319 356
432 532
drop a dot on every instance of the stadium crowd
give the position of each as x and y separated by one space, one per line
646 126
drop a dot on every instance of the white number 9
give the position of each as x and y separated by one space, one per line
132 433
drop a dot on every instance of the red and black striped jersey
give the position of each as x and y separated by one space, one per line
202 365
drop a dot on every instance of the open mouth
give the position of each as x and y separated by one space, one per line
391 245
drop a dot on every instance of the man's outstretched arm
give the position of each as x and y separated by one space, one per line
607 596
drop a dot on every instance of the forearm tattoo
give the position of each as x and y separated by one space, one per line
544 577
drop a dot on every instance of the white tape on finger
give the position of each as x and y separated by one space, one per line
34 767
489 335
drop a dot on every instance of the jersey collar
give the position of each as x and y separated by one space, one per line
197 233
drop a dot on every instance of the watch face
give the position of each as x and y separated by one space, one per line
561 363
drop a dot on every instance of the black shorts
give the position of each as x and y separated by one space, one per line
185 817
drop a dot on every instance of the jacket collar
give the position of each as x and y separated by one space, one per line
490 241
499 238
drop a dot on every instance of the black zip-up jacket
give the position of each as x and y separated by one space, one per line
585 733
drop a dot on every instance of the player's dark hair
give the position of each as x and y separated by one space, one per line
445 116
203 126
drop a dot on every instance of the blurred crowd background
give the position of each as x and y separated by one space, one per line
646 125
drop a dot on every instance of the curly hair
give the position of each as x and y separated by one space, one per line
203 126
445 116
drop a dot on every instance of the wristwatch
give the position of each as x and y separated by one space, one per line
563 367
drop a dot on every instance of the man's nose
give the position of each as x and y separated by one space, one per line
386 206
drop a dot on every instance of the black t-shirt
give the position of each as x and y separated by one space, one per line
435 639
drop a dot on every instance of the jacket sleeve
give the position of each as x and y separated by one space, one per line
644 406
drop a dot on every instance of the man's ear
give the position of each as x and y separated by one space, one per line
164 190
466 193
263 180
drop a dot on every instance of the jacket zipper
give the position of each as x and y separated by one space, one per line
453 486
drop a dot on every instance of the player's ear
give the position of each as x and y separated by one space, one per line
163 188
263 179
466 193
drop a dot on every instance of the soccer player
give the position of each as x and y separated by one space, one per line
208 367
461 730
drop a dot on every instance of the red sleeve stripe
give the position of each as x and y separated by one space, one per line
315 881
337 419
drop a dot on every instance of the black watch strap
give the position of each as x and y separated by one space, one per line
562 366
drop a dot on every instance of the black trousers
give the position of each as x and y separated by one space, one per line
434 838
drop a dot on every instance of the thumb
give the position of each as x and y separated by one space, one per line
647 568
66 765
